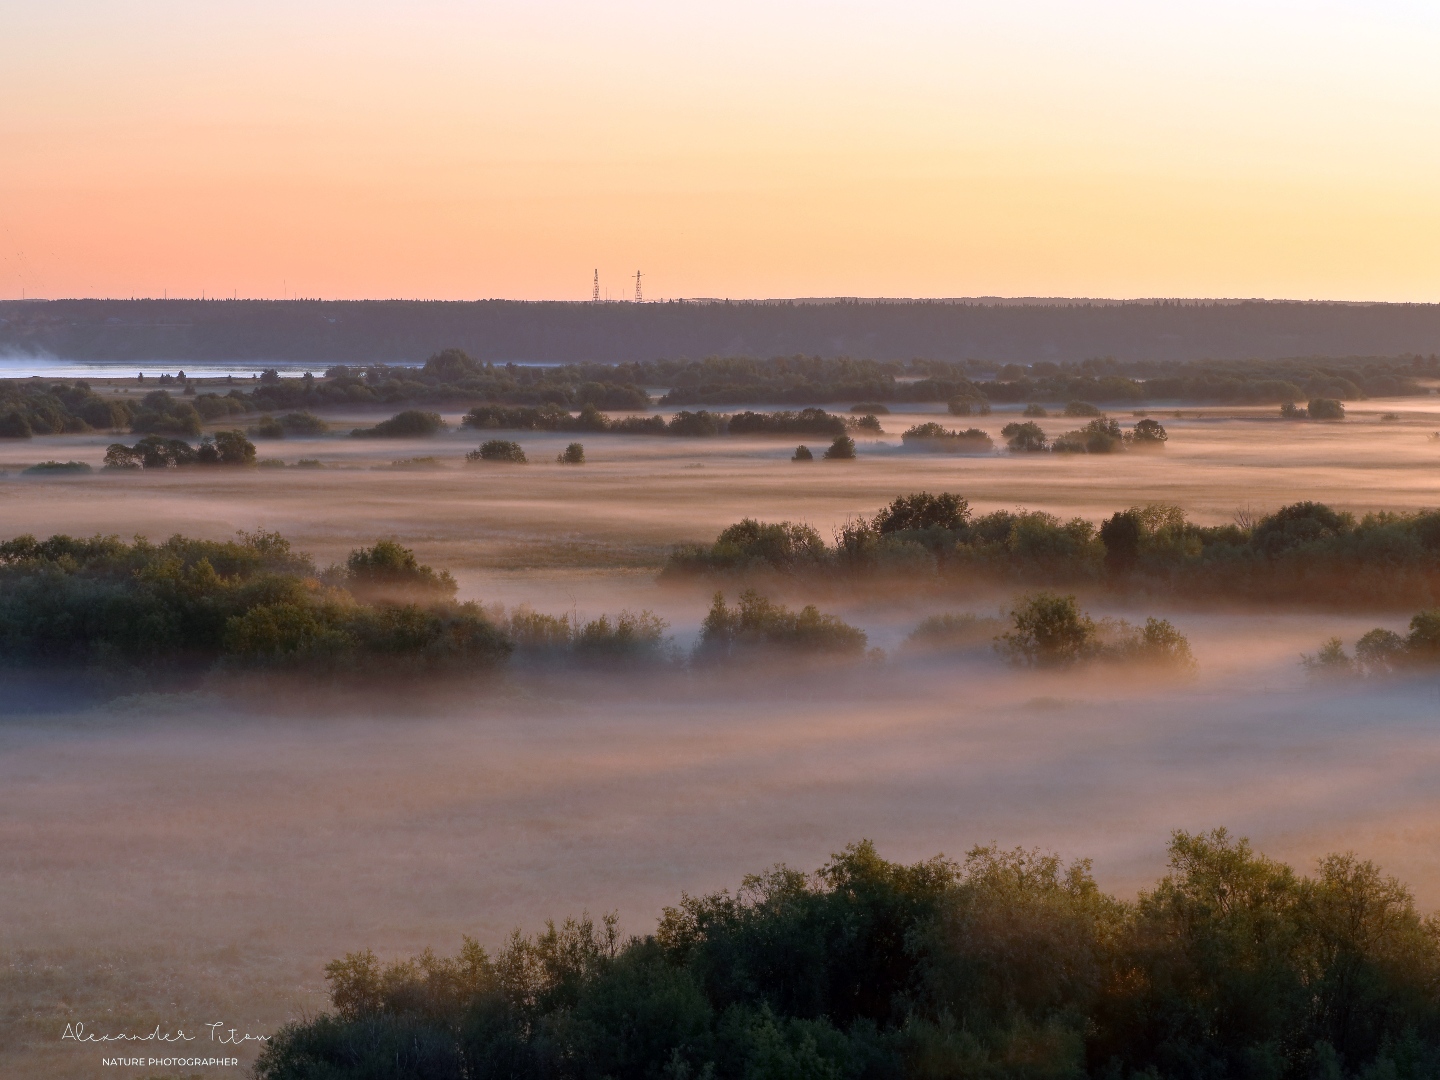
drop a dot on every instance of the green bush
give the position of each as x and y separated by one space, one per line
953 631
871 408
1035 410
757 624
1082 408
52 468
1007 964
922 510
389 571
1024 438
1051 631
804 422
161 414
1326 409
498 450
411 423
802 453
267 427
935 437
573 454
842 449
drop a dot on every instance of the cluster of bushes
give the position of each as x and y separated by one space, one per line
1052 631
629 637
937 438
291 424
1008 964
1318 409
757 626
1305 552
410 424
683 423
1383 652
194 605
1100 436
498 450
158 452
28 408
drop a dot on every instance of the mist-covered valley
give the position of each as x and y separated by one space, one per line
182 850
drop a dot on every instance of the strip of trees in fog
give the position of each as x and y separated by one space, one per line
1305 552
1008 964
174 406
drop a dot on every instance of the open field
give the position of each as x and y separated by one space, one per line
187 858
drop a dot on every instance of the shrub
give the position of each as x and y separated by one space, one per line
1326 409
1035 410
1290 411
427 462
802 453
498 450
1082 408
757 623
804 422
694 424
309 463
574 454
872 408
1147 433
629 636
1027 438
161 414
271 463
225 448
15 425
267 427
842 449
932 436
411 423
923 511
52 467
1330 660
1049 631
953 631
868 423
389 571
303 423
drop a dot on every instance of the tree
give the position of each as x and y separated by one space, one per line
1326 409
1049 631
498 450
802 453
922 510
574 454
842 449
1148 433
1026 438
1121 537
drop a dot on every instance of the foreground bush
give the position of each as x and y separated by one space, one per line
1010 965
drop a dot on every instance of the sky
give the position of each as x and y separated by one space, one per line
453 150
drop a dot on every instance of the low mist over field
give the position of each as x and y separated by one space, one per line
205 846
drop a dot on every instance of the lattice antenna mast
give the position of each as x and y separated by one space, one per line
638 298
595 289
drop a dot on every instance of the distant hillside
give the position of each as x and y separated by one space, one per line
399 331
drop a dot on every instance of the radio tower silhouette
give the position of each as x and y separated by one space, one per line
638 298
595 290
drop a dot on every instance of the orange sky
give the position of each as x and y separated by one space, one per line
750 149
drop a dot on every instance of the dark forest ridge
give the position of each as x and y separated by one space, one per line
400 331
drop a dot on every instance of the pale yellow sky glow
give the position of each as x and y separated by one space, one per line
457 150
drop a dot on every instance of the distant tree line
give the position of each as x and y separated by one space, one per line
452 377
1305 552
1009 964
